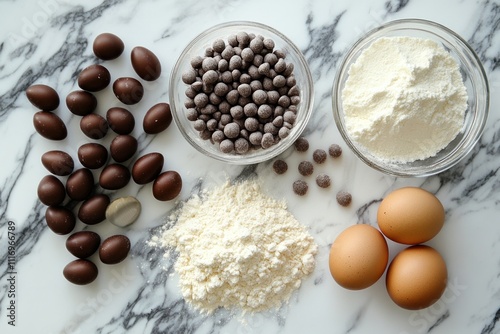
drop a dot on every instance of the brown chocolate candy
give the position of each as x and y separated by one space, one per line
145 63
147 168
80 272
49 125
167 186
128 90
60 219
157 118
94 126
123 147
108 46
83 244
81 102
51 190
94 78
114 176
80 184
93 210
58 162
114 249
43 97
92 155
120 120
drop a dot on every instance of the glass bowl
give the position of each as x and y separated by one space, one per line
475 81
197 47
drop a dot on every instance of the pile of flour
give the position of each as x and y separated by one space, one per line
404 99
238 248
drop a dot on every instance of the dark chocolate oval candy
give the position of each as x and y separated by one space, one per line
43 97
128 90
80 272
92 155
145 63
123 147
58 162
120 120
114 249
167 186
108 46
93 210
60 219
94 126
80 184
94 78
81 102
157 118
147 168
49 125
83 244
114 176
51 190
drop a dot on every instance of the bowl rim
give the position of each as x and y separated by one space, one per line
420 24
275 150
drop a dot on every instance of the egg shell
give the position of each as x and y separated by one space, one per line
416 277
410 216
358 257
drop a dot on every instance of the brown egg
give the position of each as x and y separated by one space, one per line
51 190
94 78
81 102
60 219
147 168
410 216
80 184
114 249
416 277
145 63
123 147
94 126
114 176
83 244
58 162
93 210
128 90
167 186
43 97
80 272
92 155
157 118
358 257
49 125
108 46
120 120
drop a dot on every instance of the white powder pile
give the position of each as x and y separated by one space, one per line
239 248
404 99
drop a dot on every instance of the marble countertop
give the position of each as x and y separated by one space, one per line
50 41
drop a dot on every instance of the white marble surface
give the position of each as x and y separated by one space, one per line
49 41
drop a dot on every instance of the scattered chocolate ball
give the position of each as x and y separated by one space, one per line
280 167
300 187
301 144
335 151
319 156
344 198
323 180
306 168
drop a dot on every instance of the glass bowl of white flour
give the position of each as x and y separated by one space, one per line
411 98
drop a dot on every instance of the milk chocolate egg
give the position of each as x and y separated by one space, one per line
157 118
167 186
114 176
416 277
94 126
93 210
114 249
128 90
58 162
108 46
120 120
80 184
410 216
147 168
145 63
81 102
51 190
59 219
94 78
49 125
123 147
80 272
43 97
92 155
83 244
358 257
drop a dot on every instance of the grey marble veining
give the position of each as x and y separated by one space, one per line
49 41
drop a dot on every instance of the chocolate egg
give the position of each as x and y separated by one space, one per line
58 162
147 168
94 78
92 155
94 126
80 272
114 176
157 118
83 244
49 125
128 90
114 249
43 97
123 147
108 46
145 63
51 190
60 219
123 211
120 120
81 103
167 186
93 210
80 184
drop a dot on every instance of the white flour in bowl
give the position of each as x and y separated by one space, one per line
404 99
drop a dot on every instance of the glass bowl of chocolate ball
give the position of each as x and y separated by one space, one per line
411 98
241 92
